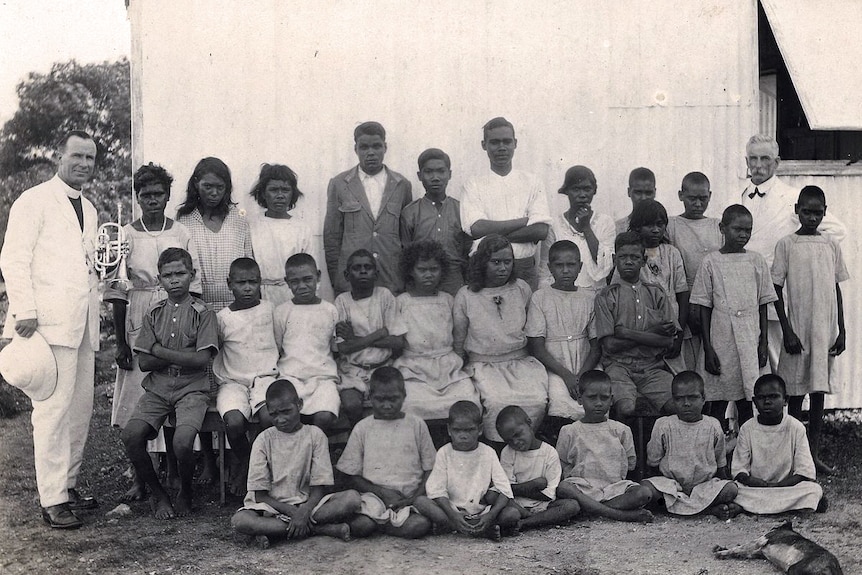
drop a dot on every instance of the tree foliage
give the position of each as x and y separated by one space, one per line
95 98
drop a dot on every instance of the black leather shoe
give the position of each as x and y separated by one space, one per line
60 517
77 503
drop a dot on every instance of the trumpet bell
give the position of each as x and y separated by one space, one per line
111 249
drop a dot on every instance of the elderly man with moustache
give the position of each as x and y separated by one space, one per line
52 288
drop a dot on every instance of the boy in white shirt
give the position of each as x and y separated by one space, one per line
468 491
245 365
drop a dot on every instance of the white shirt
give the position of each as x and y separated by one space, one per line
498 198
373 186
593 273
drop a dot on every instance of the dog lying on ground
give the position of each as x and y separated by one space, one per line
787 550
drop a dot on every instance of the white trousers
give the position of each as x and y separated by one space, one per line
61 423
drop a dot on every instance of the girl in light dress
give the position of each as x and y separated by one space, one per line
432 370
276 235
733 288
490 314
806 271
147 237
220 233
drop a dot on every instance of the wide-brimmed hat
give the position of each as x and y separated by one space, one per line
28 364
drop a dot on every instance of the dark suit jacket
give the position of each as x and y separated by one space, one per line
349 225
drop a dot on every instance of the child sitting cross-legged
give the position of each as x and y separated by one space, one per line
688 450
245 366
388 457
288 474
596 455
533 468
468 491
177 339
772 461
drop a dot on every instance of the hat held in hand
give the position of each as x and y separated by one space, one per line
28 364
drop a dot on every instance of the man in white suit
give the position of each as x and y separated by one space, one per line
52 288
771 202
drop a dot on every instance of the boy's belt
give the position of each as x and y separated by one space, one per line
177 371
370 366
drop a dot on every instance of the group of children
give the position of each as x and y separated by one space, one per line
496 360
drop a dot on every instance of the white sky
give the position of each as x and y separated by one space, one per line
36 33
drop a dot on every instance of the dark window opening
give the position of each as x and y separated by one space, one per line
781 112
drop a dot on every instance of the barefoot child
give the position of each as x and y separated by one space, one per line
663 267
178 338
490 314
561 333
388 457
596 454
245 365
276 234
147 237
772 461
688 450
468 490
305 332
533 469
694 235
367 334
288 475
806 271
733 288
431 368
635 326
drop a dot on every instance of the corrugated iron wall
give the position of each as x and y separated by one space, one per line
613 85
842 198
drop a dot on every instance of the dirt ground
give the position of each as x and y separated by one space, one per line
203 543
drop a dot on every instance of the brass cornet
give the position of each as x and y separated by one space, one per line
111 248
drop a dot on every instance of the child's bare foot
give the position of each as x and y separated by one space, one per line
822 467
725 511
637 516
493 533
237 489
261 541
513 531
183 505
208 475
162 508
137 492
337 530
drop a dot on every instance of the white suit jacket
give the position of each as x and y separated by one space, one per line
47 265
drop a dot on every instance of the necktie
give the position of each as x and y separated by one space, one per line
757 193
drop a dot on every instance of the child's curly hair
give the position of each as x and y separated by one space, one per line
479 260
421 250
